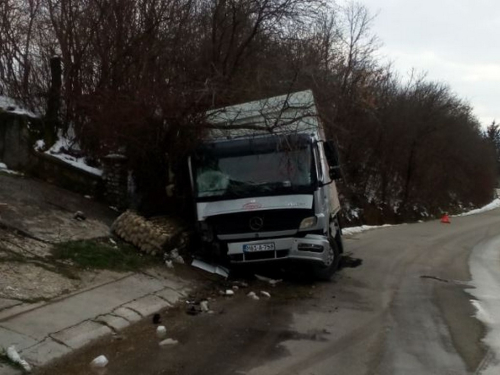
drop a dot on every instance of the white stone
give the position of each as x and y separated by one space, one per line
168 342
161 331
99 362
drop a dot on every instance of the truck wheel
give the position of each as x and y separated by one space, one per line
325 272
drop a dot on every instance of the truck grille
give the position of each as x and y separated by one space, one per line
259 221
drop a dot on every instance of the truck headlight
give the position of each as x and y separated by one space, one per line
308 222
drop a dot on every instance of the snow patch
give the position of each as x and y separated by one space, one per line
9 105
490 206
484 263
39 145
5 169
59 150
363 228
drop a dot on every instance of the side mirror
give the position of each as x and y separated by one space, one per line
332 157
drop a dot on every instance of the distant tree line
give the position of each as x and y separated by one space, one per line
137 76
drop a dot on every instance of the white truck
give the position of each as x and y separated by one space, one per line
264 185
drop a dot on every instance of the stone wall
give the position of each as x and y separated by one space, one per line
116 180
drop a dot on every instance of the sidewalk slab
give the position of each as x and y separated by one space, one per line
8 338
81 334
147 305
127 314
43 352
71 311
116 323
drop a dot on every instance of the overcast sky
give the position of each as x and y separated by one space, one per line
456 42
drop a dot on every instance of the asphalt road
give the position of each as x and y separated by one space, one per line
405 310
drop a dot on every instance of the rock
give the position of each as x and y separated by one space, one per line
254 296
169 264
229 292
168 341
161 331
99 362
265 294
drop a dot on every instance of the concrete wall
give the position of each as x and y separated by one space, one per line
14 141
53 170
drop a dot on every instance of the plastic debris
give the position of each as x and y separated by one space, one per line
253 296
16 358
268 280
168 342
265 294
204 306
169 264
229 292
218 270
99 362
161 331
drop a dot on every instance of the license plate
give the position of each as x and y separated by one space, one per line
258 247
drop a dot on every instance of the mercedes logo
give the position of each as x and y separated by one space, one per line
256 223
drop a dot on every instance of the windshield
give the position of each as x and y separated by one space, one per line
252 171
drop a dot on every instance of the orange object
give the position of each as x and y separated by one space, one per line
445 219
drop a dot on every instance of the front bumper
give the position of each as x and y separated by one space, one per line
312 247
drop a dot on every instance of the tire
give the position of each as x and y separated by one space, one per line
325 272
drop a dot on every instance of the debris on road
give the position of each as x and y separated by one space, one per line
151 236
253 296
14 356
79 215
236 288
161 331
204 306
99 362
174 256
265 294
268 280
168 342
169 264
240 284
216 269
156 319
229 292
193 309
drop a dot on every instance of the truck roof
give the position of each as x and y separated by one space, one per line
292 113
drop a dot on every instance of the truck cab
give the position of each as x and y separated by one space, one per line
263 196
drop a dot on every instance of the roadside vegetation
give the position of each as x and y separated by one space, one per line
99 254
138 76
